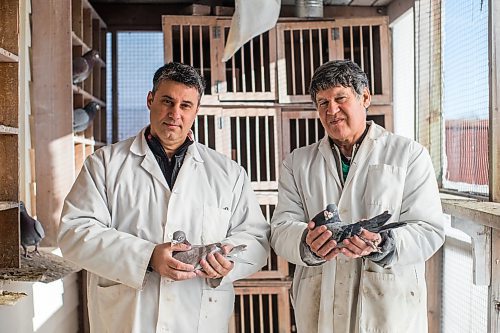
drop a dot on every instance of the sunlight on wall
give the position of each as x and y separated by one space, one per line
47 300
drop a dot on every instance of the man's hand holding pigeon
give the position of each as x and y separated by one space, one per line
215 265
328 236
163 262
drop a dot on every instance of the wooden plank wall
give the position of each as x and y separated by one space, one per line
52 91
9 155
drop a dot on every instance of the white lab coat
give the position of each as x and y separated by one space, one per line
120 207
388 172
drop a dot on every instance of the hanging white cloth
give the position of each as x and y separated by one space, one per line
251 18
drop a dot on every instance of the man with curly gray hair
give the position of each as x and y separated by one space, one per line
372 281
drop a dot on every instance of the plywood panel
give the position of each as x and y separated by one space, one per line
9 170
9 94
9 238
9 25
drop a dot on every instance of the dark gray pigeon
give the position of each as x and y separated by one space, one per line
340 230
83 117
199 252
82 66
31 230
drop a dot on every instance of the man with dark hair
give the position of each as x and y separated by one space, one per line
119 219
371 281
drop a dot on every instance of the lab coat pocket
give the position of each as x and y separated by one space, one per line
390 303
116 304
384 185
216 309
215 223
307 289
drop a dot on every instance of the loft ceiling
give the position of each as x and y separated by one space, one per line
370 3
146 14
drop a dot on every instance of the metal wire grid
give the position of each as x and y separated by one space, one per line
139 54
465 95
465 305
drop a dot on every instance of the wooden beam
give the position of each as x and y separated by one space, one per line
52 91
143 16
494 290
481 212
433 273
494 133
339 11
397 8
494 157
114 87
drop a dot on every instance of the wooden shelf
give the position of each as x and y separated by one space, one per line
6 56
88 96
83 140
77 41
87 141
95 15
8 130
5 205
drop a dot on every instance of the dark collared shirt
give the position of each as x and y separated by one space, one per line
169 167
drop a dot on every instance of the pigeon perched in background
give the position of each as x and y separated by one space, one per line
340 230
82 66
83 117
199 252
31 230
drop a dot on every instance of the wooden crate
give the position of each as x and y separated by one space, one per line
276 267
261 307
303 127
304 46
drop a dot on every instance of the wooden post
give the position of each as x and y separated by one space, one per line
52 91
494 157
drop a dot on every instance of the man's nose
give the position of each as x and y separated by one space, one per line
333 108
174 112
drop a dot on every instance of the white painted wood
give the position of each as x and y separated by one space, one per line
481 248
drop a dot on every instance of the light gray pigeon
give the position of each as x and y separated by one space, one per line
31 230
82 66
340 230
83 117
199 252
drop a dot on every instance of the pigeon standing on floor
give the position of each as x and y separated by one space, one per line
31 230
82 117
340 230
82 66
199 252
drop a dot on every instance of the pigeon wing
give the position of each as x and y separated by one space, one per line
39 230
195 254
80 120
81 69
375 222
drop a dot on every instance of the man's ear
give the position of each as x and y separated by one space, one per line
367 98
150 99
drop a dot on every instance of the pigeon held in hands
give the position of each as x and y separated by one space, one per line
31 231
340 230
82 66
194 255
82 117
